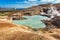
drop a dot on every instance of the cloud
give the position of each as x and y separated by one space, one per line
46 1
32 0
57 1
29 3
21 2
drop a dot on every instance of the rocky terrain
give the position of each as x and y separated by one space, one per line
9 31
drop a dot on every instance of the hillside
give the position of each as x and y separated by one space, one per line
10 31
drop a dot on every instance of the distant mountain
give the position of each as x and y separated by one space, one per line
21 8
11 9
7 9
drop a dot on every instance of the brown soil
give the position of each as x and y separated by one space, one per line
4 25
10 31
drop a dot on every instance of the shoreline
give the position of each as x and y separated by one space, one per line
13 29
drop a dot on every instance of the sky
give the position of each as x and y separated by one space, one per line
24 3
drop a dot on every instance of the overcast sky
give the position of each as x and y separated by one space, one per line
24 3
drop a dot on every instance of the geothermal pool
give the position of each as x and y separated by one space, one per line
32 21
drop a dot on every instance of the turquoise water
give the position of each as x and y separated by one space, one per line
32 21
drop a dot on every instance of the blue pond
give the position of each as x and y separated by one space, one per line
32 21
